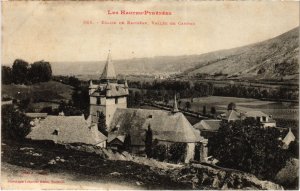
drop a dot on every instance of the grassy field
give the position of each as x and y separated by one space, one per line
45 91
277 109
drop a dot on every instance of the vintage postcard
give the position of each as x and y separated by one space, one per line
150 95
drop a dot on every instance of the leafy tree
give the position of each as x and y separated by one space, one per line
231 106
204 110
15 125
6 75
40 72
246 146
187 105
73 81
179 103
127 142
213 110
148 142
102 124
20 71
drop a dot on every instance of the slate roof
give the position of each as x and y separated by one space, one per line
109 70
290 137
232 115
208 125
255 114
165 126
70 129
111 90
36 115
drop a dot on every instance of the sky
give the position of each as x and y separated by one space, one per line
57 31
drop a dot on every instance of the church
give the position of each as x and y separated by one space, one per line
109 99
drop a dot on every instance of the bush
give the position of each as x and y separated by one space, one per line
15 125
177 152
159 152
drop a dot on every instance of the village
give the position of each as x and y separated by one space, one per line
159 137
108 95
130 126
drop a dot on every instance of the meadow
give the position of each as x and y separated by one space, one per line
280 110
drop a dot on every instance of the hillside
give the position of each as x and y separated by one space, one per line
45 91
274 58
271 59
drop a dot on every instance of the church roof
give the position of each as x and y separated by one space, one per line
69 129
208 125
165 126
110 90
109 70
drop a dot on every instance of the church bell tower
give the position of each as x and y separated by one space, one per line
108 95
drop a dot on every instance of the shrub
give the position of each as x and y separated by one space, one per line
159 152
177 152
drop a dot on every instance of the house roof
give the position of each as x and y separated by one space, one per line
255 114
289 138
232 115
70 129
165 126
109 70
121 138
36 115
110 90
208 125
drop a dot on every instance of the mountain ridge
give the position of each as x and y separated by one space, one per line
275 58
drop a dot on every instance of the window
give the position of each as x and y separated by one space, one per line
150 116
55 132
264 119
258 119
98 100
116 100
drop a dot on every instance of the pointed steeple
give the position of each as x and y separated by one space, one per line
175 108
109 70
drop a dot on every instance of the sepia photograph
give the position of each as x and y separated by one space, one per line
149 95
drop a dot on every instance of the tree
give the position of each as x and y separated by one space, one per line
15 125
148 142
246 146
187 105
231 106
73 81
40 72
204 110
102 124
20 71
127 142
6 75
213 110
179 103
